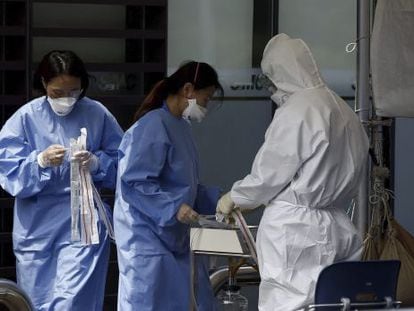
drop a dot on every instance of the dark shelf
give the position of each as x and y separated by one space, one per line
122 67
128 100
13 100
3 194
150 79
98 33
119 2
14 13
12 65
15 48
6 201
134 17
126 67
155 17
133 50
5 237
154 51
14 82
8 273
12 31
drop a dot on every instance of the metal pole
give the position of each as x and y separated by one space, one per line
274 20
363 102
193 282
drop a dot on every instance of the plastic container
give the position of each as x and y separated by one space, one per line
230 299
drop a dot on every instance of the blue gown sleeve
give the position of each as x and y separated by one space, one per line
206 200
20 174
105 176
143 154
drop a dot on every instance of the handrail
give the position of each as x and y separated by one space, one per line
346 304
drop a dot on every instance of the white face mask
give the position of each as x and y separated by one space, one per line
194 111
62 106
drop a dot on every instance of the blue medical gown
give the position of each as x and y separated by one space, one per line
56 274
158 171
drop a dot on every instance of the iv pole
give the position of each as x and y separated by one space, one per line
363 103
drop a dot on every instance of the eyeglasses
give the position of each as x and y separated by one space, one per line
57 93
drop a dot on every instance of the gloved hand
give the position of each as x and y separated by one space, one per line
86 159
225 205
51 156
186 214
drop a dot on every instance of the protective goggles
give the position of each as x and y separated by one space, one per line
265 82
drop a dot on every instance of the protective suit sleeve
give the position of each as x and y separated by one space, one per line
291 138
105 175
20 174
142 158
207 198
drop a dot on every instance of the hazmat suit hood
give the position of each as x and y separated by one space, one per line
289 64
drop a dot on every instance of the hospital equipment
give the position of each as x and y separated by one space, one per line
232 241
84 195
230 299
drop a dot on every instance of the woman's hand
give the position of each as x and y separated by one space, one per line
51 156
186 214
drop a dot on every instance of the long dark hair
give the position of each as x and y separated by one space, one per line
56 63
201 75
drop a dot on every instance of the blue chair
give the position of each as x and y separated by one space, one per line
352 285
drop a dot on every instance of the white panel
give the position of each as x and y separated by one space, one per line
214 31
215 240
327 26
392 54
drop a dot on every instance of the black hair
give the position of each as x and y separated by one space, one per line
56 63
201 75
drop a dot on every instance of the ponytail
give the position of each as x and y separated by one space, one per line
153 100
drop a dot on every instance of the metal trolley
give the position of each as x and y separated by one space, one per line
222 240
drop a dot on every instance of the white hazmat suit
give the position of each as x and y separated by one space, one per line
306 173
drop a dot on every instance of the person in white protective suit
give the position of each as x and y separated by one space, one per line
306 174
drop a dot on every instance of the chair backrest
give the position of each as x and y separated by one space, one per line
359 281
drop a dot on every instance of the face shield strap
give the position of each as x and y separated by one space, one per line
196 74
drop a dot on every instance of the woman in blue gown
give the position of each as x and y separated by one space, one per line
56 273
158 195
